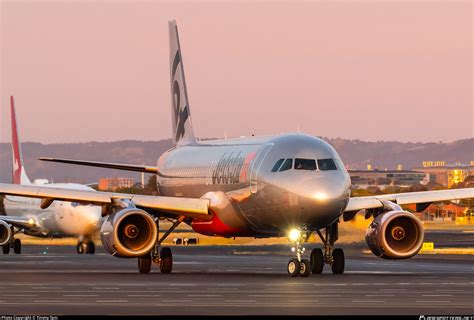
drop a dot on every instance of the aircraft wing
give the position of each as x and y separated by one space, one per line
421 198
188 207
19 221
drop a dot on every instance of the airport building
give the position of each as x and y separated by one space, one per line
447 175
382 178
112 184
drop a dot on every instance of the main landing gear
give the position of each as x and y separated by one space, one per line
331 256
85 246
15 244
161 256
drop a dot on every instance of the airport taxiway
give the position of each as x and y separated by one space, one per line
232 280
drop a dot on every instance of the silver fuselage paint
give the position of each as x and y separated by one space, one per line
60 219
267 203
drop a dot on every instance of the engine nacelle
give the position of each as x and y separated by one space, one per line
5 233
395 235
129 233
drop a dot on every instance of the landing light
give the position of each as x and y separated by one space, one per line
31 221
320 196
294 235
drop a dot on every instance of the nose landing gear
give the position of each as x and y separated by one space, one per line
331 256
298 266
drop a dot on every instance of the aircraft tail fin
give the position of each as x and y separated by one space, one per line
182 126
18 170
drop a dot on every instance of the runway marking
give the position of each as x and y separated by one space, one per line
144 295
432 301
380 295
183 284
368 301
105 288
204 295
80 295
437 295
111 301
47 288
50 301
19 295
395 290
240 301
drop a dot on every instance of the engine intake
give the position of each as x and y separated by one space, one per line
395 235
5 233
129 233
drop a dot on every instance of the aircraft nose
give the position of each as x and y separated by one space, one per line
326 187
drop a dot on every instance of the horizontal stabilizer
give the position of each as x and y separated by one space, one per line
109 165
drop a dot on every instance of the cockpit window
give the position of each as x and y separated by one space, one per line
305 164
277 165
326 164
287 165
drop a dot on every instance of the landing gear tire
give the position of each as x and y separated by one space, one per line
338 261
144 263
6 248
294 267
317 261
305 268
166 260
17 246
90 247
81 247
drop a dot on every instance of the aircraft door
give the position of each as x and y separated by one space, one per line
257 163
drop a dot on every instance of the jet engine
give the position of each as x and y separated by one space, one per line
129 233
395 235
5 233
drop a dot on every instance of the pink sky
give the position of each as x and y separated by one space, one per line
372 70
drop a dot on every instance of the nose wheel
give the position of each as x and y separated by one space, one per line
298 266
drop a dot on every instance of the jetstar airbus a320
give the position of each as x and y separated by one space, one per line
288 185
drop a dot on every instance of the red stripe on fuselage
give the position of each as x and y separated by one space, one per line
216 227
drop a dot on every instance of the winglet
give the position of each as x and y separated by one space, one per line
18 170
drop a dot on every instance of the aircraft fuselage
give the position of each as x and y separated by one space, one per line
260 198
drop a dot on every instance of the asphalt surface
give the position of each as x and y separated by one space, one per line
235 280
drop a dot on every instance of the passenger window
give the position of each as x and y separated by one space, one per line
326 164
287 165
277 165
305 164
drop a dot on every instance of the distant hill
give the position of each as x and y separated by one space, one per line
357 154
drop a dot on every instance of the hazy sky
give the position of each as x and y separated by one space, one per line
373 70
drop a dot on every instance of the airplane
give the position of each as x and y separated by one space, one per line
287 185
35 217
